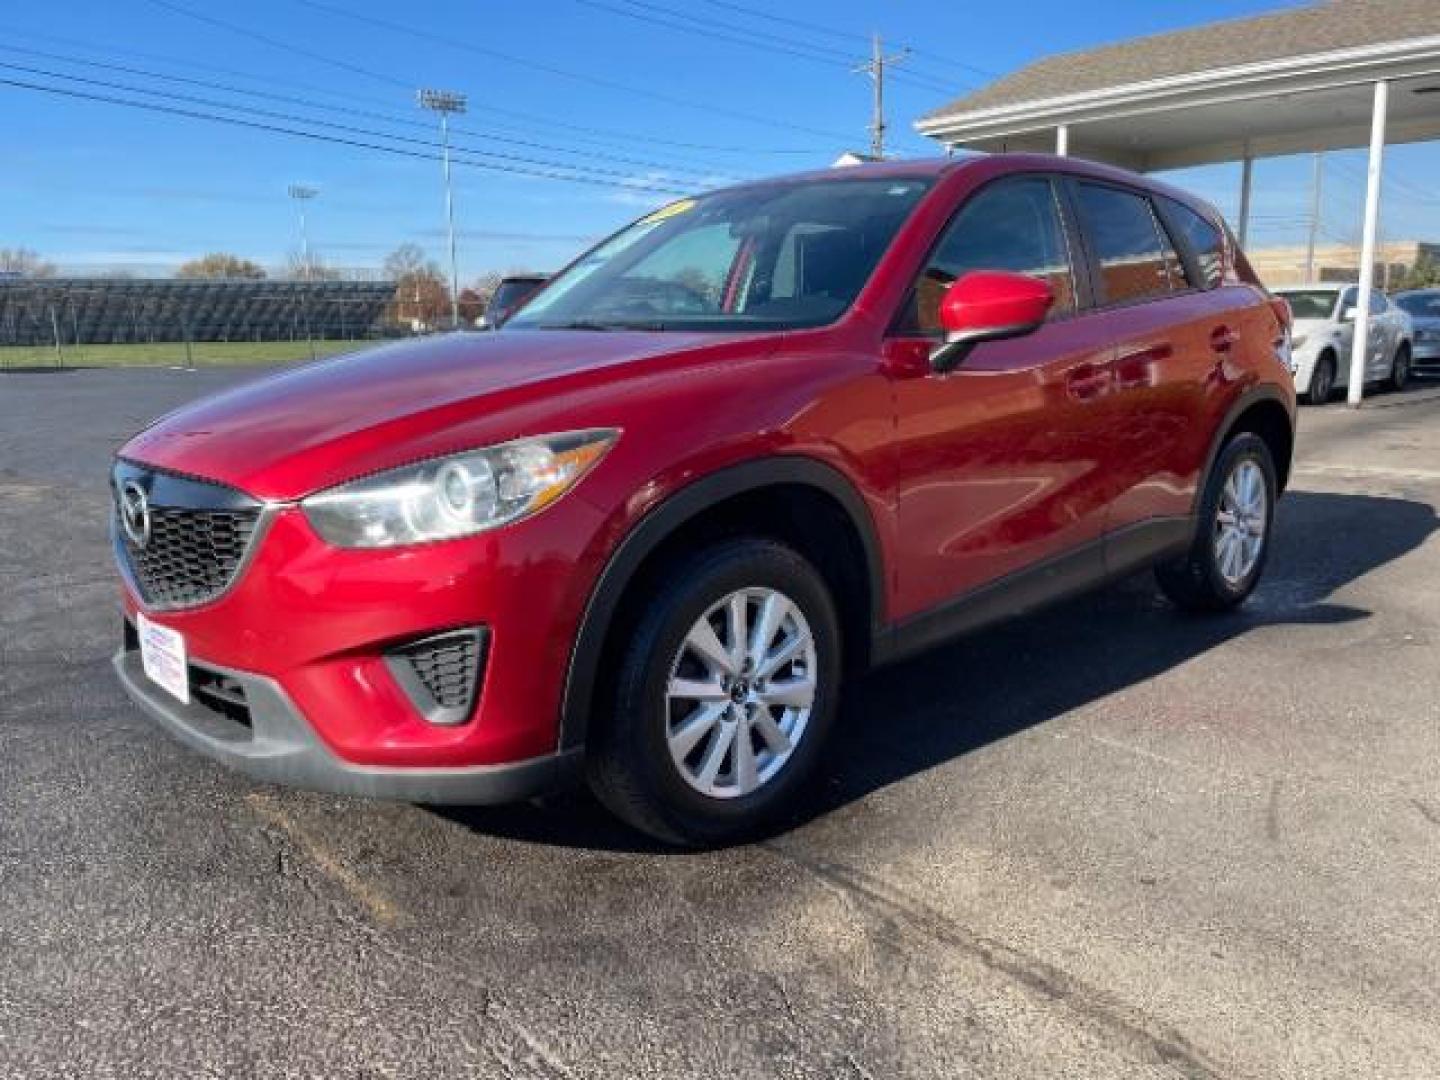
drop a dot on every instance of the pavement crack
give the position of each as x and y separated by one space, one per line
292 839
1272 813
1150 1038
1429 813
375 902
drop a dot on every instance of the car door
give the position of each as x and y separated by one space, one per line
1170 337
1344 318
1002 463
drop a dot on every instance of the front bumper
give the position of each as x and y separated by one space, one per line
322 626
277 745
1425 355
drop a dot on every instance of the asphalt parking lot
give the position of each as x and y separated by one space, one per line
1108 841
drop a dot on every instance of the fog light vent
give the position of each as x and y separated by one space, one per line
441 674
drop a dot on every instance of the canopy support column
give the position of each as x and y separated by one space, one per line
1247 174
1360 349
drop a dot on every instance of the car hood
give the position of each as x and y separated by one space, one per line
285 436
1308 327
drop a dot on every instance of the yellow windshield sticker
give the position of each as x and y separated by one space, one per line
673 210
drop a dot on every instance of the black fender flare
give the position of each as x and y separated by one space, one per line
659 523
1253 396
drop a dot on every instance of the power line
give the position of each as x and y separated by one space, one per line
596 136
850 37
339 140
713 30
270 114
593 80
699 23
407 121
277 43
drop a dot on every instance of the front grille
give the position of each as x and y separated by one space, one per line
199 534
441 674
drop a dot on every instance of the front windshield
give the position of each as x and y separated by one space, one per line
770 257
1312 304
1424 305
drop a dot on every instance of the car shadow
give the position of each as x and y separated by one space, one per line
905 719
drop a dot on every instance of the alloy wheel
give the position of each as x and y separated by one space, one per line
740 693
1241 521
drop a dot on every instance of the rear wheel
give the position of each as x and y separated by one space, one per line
1237 510
1322 380
725 693
1400 368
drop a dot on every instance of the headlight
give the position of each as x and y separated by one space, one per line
455 496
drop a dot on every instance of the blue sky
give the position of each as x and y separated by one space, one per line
649 106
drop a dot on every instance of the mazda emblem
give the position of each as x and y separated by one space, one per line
135 513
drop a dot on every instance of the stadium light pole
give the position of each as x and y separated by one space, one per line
446 102
303 194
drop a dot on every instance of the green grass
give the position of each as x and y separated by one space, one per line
171 353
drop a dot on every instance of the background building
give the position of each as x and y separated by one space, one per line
1395 262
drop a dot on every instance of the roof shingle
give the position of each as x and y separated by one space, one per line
1324 27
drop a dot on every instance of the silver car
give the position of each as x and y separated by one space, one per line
1423 307
1324 330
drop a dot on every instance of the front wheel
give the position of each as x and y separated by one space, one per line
1400 368
1237 512
1322 380
725 692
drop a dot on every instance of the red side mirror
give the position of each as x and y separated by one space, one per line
985 305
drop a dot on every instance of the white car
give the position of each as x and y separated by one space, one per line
1324 330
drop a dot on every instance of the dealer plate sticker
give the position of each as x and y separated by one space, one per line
162 654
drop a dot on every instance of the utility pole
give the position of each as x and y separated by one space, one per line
1314 216
303 194
875 68
446 102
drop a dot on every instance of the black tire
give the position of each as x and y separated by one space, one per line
1196 582
1322 380
628 757
1399 368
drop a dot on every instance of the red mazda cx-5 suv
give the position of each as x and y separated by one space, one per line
754 441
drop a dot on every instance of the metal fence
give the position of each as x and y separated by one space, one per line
69 321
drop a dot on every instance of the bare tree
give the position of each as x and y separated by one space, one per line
421 295
24 262
410 259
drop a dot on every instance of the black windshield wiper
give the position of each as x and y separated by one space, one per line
590 324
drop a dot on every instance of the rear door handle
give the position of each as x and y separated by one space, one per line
1136 368
1223 339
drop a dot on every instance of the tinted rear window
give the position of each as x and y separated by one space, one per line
1203 239
1136 259
1421 305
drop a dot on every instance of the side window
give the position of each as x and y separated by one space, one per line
1348 299
1203 239
1012 225
1378 303
1136 259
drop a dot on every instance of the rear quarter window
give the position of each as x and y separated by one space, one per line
1201 236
